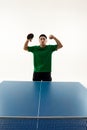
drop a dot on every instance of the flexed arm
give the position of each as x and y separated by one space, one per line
26 45
29 39
57 41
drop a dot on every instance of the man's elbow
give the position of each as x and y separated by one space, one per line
25 48
60 46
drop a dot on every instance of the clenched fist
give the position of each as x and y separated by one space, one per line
51 37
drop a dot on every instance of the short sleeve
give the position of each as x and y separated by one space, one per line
53 47
31 48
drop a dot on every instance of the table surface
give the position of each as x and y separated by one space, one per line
42 99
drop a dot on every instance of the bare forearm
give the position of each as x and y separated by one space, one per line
26 45
29 39
58 43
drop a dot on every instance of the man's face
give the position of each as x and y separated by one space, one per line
42 41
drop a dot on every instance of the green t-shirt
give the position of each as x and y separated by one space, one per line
42 57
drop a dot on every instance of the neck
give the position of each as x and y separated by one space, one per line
42 45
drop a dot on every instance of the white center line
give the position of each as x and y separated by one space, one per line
39 105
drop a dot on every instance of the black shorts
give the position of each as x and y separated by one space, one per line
42 76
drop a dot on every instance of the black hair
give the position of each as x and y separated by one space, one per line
43 35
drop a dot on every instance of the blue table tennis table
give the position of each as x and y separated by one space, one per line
26 105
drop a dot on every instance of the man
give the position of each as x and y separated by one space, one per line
42 55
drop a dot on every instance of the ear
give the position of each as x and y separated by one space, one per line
46 40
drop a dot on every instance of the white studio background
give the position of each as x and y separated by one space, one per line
66 19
